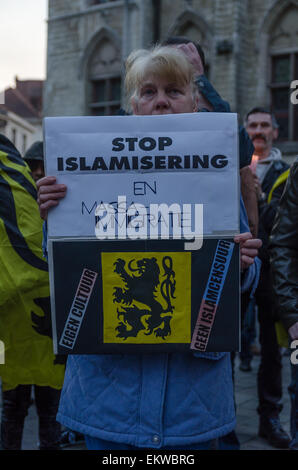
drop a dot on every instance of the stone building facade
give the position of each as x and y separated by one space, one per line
251 48
21 113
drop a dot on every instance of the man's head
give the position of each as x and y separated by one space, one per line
160 81
34 158
262 128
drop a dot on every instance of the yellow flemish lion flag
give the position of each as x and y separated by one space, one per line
25 320
146 299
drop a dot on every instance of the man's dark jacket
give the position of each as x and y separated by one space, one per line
284 252
267 212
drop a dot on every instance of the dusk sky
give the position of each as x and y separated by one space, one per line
22 40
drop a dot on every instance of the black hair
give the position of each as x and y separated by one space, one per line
174 40
35 152
260 109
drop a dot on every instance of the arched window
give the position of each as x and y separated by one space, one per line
283 50
190 30
193 26
104 79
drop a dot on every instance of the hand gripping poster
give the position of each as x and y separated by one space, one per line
141 250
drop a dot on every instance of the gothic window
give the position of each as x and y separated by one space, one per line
106 96
104 80
14 136
192 31
24 147
284 69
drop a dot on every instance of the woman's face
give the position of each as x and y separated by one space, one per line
161 96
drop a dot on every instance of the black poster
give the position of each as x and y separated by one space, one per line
144 296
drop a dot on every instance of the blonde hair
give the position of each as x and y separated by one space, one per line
162 61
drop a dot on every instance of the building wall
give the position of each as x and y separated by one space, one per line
19 131
70 43
237 36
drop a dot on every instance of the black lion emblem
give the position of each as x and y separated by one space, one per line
141 283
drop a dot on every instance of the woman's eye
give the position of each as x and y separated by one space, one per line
148 92
174 91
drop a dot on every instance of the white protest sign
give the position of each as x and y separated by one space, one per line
126 175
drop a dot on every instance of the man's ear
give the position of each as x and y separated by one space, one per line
134 105
275 133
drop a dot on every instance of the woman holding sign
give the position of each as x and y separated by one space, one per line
161 401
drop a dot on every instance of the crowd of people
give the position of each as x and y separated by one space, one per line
146 401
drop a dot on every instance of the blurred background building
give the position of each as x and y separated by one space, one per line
251 48
21 113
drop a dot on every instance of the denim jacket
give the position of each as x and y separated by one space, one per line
246 147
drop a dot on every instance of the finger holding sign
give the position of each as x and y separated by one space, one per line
49 194
248 248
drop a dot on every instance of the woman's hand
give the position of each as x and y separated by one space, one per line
193 56
248 248
293 331
49 194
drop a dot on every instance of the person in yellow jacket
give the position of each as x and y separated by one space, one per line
25 321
